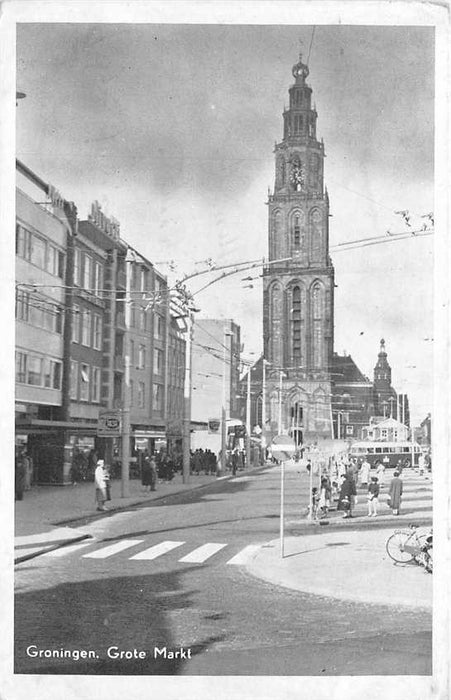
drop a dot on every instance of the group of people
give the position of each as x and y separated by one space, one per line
347 476
202 461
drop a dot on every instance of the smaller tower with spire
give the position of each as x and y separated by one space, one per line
383 391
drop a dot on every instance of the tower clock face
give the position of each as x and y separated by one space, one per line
297 176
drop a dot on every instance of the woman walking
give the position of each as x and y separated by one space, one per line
373 493
347 495
395 493
380 473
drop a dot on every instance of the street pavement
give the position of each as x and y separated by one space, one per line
43 517
309 547
184 571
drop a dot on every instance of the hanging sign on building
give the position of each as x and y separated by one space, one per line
213 425
109 423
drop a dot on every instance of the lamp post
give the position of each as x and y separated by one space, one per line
125 456
263 438
248 419
222 463
281 375
187 398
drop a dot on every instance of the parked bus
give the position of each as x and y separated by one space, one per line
379 451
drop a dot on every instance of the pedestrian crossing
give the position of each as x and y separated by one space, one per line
201 554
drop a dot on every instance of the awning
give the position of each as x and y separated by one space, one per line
152 434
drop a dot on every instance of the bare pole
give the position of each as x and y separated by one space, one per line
248 419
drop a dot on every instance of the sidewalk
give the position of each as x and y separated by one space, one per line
347 565
43 517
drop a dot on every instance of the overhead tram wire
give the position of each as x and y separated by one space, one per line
311 43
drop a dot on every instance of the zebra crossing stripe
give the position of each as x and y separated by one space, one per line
245 555
63 551
157 550
111 549
201 554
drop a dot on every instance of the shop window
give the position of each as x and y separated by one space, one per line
76 324
141 394
84 382
21 367
73 379
96 371
86 327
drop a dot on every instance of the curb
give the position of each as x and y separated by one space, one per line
357 522
37 553
119 508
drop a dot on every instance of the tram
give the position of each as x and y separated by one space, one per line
390 453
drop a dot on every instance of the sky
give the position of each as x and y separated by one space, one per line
171 127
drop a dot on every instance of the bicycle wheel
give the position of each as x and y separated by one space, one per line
394 547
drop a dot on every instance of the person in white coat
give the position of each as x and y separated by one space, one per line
364 473
380 473
100 479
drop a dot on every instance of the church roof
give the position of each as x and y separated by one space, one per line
344 369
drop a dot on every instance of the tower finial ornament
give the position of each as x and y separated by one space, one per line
300 70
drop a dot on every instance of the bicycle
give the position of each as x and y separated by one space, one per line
407 545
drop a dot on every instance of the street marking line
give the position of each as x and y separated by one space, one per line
62 551
201 554
112 549
245 555
157 550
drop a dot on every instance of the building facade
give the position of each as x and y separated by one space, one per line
298 282
88 307
215 370
41 241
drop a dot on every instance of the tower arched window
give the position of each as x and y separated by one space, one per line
276 321
296 325
317 319
276 235
297 230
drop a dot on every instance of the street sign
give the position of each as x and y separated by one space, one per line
109 423
283 447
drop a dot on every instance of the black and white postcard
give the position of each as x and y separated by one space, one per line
225 359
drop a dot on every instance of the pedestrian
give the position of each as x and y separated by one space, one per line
100 479
380 473
19 477
347 496
234 461
421 464
315 501
364 473
324 496
153 473
107 482
395 493
146 471
373 494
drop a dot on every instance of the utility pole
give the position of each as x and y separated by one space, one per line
125 492
263 439
187 398
281 374
248 418
222 463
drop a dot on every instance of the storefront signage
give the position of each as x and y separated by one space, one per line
109 423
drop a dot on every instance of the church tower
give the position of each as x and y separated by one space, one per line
298 282
385 403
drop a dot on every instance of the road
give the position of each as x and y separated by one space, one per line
166 584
